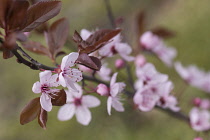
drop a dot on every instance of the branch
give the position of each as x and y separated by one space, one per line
178 115
110 13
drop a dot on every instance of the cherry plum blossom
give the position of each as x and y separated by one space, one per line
47 81
199 119
78 104
113 94
68 76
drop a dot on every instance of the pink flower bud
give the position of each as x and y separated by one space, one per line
140 60
197 101
119 63
102 90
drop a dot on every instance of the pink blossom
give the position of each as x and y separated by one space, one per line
119 63
113 94
114 47
79 105
140 60
146 99
166 100
85 34
103 90
104 72
47 81
165 54
68 76
147 75
194 76
155 44
199 119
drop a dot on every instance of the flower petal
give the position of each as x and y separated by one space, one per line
114 89
66 112
117 105
83 115
72 57
36 87
113 79
109 105
62 81
45 102
90 101
45 76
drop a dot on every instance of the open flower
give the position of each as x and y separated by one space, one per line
47 81
113 94
78 104
68 76
199 119
155 44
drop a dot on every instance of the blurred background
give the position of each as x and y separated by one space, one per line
189 19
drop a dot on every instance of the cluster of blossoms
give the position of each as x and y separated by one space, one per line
115 46
155 44
200 115
153 88
194 76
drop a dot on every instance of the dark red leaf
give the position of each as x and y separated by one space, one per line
3 7
16 15
99 39
7 53
57 36
21 37
163 32
60 53
42 118
91 62
41 12
30 111
59 98
36 47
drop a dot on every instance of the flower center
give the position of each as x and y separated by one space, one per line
77 101
45 88
113 50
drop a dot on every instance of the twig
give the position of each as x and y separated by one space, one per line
178 115
110 13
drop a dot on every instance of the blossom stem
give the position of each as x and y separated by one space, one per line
33 64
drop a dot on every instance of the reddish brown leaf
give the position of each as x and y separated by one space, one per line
30 111
3 10
21 37
16 15
59 98
36 47
57 36
7 53
60 53
88 61
41 12
42 118
163 32
95 41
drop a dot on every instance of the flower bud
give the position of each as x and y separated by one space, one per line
119 63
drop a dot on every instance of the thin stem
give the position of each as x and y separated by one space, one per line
110 13
130 78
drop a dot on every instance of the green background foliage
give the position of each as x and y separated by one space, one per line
189 19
